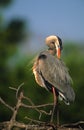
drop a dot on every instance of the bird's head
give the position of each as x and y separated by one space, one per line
54 42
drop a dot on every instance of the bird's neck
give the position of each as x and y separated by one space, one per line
52 51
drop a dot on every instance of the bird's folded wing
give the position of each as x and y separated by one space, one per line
55 72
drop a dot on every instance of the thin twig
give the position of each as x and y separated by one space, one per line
4 103
73 124
36 106
15 89
30 101
46 113
18 89
35 121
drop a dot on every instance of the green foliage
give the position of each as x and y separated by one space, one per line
5 2
11 33
74 58
15 31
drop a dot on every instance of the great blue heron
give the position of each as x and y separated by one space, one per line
51 73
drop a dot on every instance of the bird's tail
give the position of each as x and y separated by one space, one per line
68 96
63 98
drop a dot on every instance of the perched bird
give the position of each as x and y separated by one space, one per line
51 73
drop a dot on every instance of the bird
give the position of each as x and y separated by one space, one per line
51 72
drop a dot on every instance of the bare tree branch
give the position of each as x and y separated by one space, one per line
36 106
19 96
35 124
5 104
73 124
34 121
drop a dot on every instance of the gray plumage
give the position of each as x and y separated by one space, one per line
56 73
50 71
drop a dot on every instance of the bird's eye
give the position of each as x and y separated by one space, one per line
60 43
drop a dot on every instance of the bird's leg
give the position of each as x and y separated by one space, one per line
57 113
54 105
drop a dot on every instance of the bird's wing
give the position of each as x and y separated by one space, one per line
56 73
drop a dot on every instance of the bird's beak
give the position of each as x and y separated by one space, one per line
58 52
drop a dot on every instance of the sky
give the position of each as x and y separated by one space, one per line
64 18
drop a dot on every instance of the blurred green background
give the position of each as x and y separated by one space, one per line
16 68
